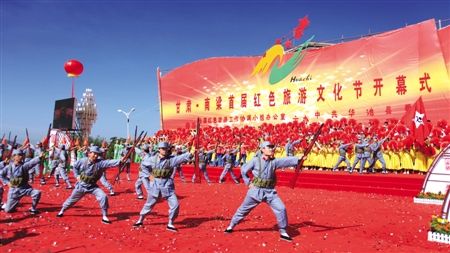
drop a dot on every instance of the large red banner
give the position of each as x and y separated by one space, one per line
375 77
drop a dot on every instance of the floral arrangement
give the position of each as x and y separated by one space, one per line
439 225
431 195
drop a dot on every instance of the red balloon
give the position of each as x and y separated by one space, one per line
73 68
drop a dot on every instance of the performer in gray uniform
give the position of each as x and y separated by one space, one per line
88 171
261 188
202 161
377 154
52 160
37 151
229 159
103 179
15 175
289 148
144 171
161 184
60 156
342 156
367 154
359 156
178 167
123 153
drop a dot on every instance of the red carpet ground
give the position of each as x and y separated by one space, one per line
320 220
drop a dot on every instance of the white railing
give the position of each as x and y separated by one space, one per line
428 201
438 237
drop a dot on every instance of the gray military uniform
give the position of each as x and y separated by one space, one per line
17 176
89 173
264 181
162 185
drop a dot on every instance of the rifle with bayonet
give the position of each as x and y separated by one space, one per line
305 154
125 158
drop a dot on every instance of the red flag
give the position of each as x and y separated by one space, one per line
416 120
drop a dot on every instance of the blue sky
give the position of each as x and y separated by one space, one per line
121 43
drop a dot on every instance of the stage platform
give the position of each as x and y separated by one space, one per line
390 184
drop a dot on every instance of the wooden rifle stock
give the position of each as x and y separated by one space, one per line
121 166
305 154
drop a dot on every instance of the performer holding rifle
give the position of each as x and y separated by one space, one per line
59 165
88 171
15 175
202 163
377 155
305 155
37 151
289 148
103 180
144 170
161 184
262 187
179 151
342 155
229 159
45 143
359 147
123 153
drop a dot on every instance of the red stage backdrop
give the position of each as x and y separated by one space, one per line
375 77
